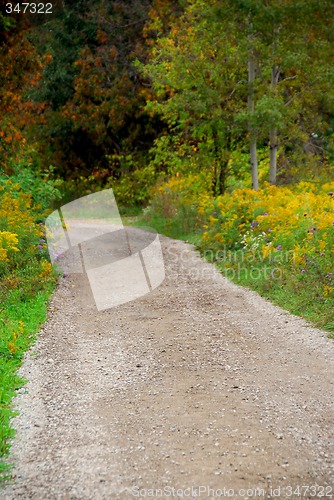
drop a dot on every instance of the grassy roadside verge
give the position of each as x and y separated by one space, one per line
278 241
27 281
21 321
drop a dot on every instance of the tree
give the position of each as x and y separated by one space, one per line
291 44
94 122
199 84
20 69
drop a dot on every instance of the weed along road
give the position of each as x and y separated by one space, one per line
198 389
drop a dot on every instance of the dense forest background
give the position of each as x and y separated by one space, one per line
122 94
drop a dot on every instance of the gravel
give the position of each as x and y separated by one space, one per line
198 386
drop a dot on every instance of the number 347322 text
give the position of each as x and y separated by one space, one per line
28 8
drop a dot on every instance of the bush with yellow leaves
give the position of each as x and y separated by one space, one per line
23 249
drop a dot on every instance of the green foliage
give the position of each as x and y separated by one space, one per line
42 187
6 23
62 40
194 72
76 95
198 70
133 189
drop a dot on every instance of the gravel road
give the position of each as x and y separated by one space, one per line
199 389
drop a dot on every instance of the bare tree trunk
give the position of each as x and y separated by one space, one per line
252 132
273 139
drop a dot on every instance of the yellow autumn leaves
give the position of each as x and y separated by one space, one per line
18 230
23 249
290 229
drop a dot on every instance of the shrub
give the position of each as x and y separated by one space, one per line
284 234
41 186
176 202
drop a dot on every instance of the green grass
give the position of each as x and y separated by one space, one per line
24 318
179 231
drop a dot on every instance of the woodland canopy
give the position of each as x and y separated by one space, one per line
122 94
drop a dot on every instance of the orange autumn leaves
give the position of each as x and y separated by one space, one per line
20 70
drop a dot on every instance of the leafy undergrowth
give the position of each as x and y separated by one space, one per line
278 241
27 280
174 208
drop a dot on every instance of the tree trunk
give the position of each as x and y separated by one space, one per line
252 132
253 159
273 139
223 175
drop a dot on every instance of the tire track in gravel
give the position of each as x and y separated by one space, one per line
199 383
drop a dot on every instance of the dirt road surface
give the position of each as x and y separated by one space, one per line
200 389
